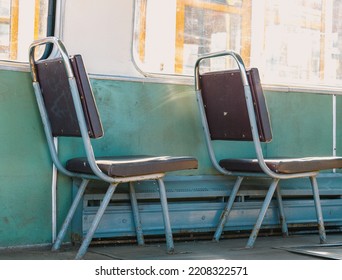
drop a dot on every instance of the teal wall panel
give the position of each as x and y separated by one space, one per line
24 165
302 124
339 125
138 118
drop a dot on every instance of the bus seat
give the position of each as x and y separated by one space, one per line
232 106
67 107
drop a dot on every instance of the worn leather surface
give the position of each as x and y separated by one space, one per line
58 101
226 109
125 166
284 165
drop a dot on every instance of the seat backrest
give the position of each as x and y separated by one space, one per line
56 92
225 106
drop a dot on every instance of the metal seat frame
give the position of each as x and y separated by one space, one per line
98 174
267 172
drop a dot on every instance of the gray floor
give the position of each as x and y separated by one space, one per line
295 247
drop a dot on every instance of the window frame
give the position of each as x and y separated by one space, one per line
13 64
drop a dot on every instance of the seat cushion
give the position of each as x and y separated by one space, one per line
283 165
58 101
125 166
225 105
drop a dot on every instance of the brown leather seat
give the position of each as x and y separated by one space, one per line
233 107
68 109
283 165
126 166
225 106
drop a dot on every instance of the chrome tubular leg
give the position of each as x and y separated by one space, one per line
226 211
262 213
136 215
166 217
70 215
85 244
282 217
320 222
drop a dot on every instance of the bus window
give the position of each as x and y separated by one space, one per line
169 35
302 42
21 22
291 42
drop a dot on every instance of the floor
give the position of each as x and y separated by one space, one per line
295 247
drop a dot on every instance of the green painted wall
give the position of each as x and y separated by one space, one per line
24 165
339 124
302 124
138 118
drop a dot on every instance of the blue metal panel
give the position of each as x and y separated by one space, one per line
204 217
195 204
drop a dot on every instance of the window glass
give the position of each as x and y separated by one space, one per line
169 35
21 22
294 41
302 42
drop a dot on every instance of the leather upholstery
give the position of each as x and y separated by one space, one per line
226 109
57 96
283 165
124 166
